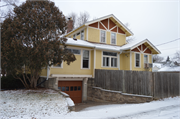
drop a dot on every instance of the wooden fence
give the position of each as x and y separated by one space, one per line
159 85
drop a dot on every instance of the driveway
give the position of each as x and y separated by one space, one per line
82 106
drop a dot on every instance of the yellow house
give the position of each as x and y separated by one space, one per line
99 44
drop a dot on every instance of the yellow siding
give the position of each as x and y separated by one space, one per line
141 68
73 68
108 41
150 58
121 39
93 35
125 61
85 30
78 37
44 72
99 61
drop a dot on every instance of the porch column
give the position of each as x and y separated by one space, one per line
84 91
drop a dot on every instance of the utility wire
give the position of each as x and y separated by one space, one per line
169 48
168 42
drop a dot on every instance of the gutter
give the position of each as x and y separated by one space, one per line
80 45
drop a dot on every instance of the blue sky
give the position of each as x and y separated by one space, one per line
155 20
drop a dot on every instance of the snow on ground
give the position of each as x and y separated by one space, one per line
157 64
26 104
166 68
17 104
165 109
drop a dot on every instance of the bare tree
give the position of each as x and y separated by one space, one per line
78 20
177 56
9 5
83 18
157 58
130 38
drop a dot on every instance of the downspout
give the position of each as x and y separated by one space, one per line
46 76
47 73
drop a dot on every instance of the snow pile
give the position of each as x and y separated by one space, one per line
70 102
166 68
31 103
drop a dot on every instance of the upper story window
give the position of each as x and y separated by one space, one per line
82 35
103 36
145 58
75 51
137 59
113 38
85 62
109 59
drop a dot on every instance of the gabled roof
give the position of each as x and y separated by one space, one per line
128 46
113 18
136 43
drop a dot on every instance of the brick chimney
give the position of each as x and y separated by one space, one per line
69 25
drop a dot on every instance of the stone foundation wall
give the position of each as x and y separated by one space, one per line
102 95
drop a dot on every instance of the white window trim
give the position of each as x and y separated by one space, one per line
105 36
82 59
147 58
109 60
139 60
52 66
111 38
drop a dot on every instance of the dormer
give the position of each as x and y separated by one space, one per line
106 30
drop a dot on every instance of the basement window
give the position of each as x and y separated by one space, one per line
109 59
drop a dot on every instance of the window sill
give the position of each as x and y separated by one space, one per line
85 68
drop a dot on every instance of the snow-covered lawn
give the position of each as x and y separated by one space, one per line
50 105
31 103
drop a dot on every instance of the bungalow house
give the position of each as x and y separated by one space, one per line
98 44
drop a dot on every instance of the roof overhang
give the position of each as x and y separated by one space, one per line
147 43
115 20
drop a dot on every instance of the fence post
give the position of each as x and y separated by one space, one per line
123 79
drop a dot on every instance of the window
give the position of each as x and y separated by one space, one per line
113 38
85 62
74 51
78 33
103 36
137 60
58 65
145 58
82 35
74 36
109 59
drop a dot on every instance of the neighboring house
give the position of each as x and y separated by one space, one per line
100 44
